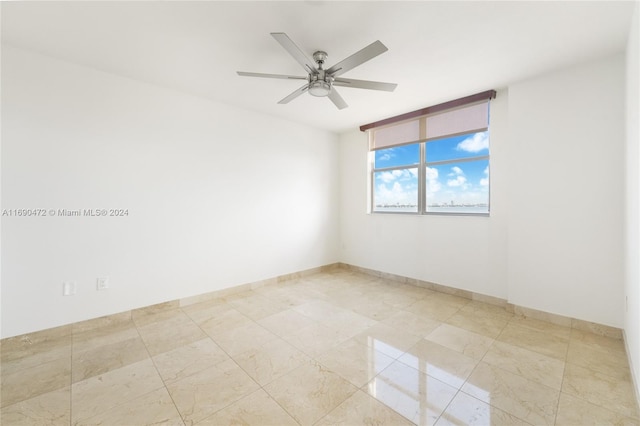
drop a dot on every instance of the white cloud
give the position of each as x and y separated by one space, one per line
432 173
391 176
456 171
476 143
397 187
398 175
433 184
485 181
458 181
385 157
396 194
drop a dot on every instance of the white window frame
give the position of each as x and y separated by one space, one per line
411 128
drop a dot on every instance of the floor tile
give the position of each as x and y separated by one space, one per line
189 359
24 352
204 311
102 393
336 347
105 358
270 361
525 399
170 334
372 308
287 297
256 306
602 343
242 339
111 333
412 323
610 362
535 340
317 339
153 408
543 326
30 382
155 314
401 296
49 409
101 323
286 323
35 358
17 347
486 325
257 408
202 394
362 409
575 411
485 310
349 321
442 363
224 321
411 393
531 365
355 362
310 392
389 340
599 389
464 341
467 410
434 308
319 310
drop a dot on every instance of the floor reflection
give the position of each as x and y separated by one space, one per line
409 391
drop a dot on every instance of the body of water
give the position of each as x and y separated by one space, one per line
454 210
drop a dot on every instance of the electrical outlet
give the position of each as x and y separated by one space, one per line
68 288
102 283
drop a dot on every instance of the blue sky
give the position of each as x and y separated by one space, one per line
459 182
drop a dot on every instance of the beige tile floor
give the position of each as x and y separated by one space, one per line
332 348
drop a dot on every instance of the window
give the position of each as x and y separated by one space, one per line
434 160
395 178
457 174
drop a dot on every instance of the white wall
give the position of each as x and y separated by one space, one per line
632 196
566 192
554 238
463 252
217 196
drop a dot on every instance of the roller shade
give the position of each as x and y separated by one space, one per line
465 115
398 134
473 118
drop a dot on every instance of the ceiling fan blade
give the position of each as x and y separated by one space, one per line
257 74
295 51
358 58
295 94
365 84
337 99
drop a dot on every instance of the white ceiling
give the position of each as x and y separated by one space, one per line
438 51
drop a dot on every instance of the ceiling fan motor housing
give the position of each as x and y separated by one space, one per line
320 81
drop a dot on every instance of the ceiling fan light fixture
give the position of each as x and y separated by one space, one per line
319 88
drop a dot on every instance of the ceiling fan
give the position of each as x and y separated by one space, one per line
321 82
